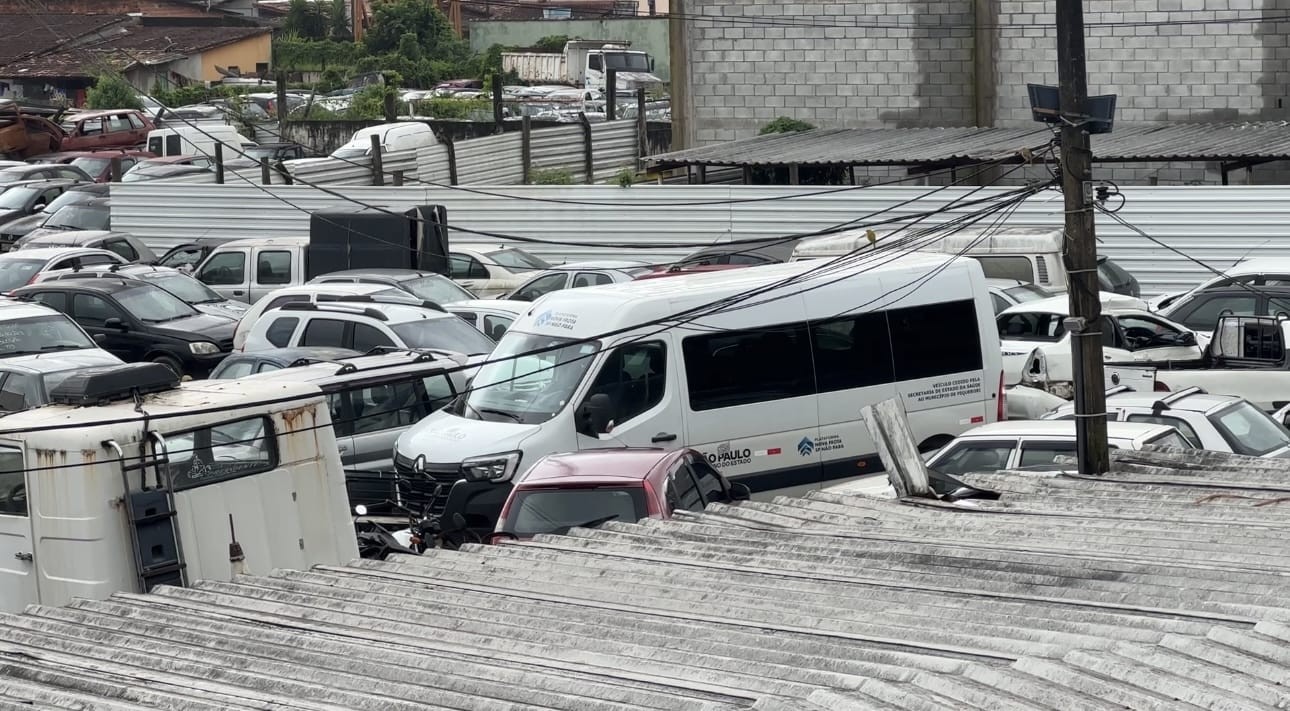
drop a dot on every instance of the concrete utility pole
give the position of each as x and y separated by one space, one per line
1085 323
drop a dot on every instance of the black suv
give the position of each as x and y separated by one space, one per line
137 321
1200 310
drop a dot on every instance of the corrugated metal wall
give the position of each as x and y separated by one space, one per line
1215 224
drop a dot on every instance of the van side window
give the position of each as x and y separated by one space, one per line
852 352
174 145
936 339
13 488
634 377
225 268
1018 268
742 367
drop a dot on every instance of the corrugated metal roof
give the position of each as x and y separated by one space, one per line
947 146
1162 586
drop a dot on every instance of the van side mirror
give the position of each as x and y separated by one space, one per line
740 492
593 415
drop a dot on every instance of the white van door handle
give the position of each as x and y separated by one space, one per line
25 557
344 448
663 437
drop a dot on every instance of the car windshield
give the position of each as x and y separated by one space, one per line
151 304
71 197
1249 430
625 61
1027 292
349 153
13 175
18 272
1113 274
41 334
527 388
965 457
183 286
93 166
1170 439
17 198
539 511
258 152
450 334
436 289
517 259
80 217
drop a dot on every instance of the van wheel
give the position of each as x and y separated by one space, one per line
169 362
931 444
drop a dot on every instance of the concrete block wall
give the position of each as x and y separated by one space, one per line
831 63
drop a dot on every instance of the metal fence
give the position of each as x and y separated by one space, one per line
1214 224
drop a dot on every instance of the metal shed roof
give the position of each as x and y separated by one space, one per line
1162 586
1228 142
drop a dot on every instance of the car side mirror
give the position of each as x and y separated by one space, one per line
593 415
116 323
1187 339
740 492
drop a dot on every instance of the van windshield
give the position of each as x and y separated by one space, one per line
531 388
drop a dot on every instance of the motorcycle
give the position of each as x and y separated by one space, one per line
425 530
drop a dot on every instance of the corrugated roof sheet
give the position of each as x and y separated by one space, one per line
1161 586
1260 141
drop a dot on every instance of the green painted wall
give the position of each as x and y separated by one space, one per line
649 34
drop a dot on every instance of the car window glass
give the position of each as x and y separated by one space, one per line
90 260
121 247
634 377
1018 268
182 257
439 391
117 122
267 367
13 489
1027 326
582 279
1202 314
466 316
18 392
273 267
240 369
852 352
683 493
709 481
91 127
135 121
1279 306
224 268
54 299
279 331
1170 439
1041 454
386 406
324 332
539 287
495 326
91 310
1187 431
366 338
969 456
731 368
999 303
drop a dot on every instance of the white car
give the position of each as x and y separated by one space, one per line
491 316
576 276
310 293
1221 423
1006 293
31 329
1037 346
1019 444
20 268
366 328
489 271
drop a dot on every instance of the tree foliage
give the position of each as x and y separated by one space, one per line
340 28
307 19
112 91
786 124
553 44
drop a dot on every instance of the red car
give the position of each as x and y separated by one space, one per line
98 164
117 128
586 489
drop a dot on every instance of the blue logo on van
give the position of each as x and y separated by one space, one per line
543 318
805 447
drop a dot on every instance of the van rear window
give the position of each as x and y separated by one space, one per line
1018 268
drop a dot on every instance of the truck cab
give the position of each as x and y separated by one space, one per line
129 480
248 269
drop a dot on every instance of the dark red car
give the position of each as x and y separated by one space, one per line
98 164
586 489
116 128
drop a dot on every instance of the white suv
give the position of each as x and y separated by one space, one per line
365 327
1220 423
301 293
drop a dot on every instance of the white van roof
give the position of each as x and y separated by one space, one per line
887 283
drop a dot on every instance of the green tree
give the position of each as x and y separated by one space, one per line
112 91
340 28
392 19
553 44
305 19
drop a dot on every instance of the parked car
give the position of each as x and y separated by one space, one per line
186 257
76 194
116 128
28 329
491 316
137 321
49 171
276 152
98 164
364 328
92 214
375 398
1200 310
26 381
189 290
240 365
140 172
747 253
313 293
248 269
679 270
24 199
1006 293
1221 423
586 489
1259 272
426 286
1020 444
576 275
20 268
128 246
490 271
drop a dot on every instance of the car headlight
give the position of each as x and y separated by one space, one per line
493 467
203 348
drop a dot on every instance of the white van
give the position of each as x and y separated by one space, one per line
402 136
1028 254
197 141
769 391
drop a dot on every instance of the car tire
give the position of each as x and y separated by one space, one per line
170 362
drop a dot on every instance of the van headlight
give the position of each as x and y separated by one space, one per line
203 348
492 467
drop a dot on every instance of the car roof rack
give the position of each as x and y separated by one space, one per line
311 306
372 299
422 354
1164 402
306 361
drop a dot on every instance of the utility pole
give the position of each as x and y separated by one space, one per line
1085 323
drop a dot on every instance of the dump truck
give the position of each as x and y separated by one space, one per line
585 63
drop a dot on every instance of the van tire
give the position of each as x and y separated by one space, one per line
934 443
170 362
